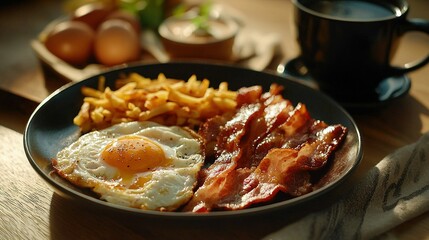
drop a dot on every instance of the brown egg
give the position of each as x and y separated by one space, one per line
92 14
116 42
126 16
72 42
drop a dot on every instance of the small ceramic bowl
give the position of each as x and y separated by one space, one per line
182 38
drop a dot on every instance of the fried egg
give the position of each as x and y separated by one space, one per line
137 164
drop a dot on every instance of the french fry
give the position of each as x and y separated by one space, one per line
156 99
163 100
116 101
101 83
167 107
97 115
97 102
90 92
83 115
133 111
127 87
224 104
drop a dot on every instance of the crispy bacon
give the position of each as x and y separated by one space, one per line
228 153
266 147
284 169
209 131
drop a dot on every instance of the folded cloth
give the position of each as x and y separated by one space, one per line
392 192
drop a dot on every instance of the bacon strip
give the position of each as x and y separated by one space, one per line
283 169
267 147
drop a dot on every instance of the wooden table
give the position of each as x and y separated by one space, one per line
29 209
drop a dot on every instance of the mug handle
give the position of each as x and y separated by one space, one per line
420 25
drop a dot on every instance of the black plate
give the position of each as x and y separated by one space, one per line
51 128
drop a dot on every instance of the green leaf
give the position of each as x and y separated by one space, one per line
150 12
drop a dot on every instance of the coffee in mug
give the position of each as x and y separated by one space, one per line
347 45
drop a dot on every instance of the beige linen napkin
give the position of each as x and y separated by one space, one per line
392 192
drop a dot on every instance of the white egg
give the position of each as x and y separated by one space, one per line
138 164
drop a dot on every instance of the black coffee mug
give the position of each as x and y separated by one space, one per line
347 45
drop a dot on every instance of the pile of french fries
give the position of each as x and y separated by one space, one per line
162 100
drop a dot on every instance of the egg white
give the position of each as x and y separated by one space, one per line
161 188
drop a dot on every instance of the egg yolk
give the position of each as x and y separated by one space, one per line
135 154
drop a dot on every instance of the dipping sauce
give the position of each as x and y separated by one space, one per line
185 31
183 39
